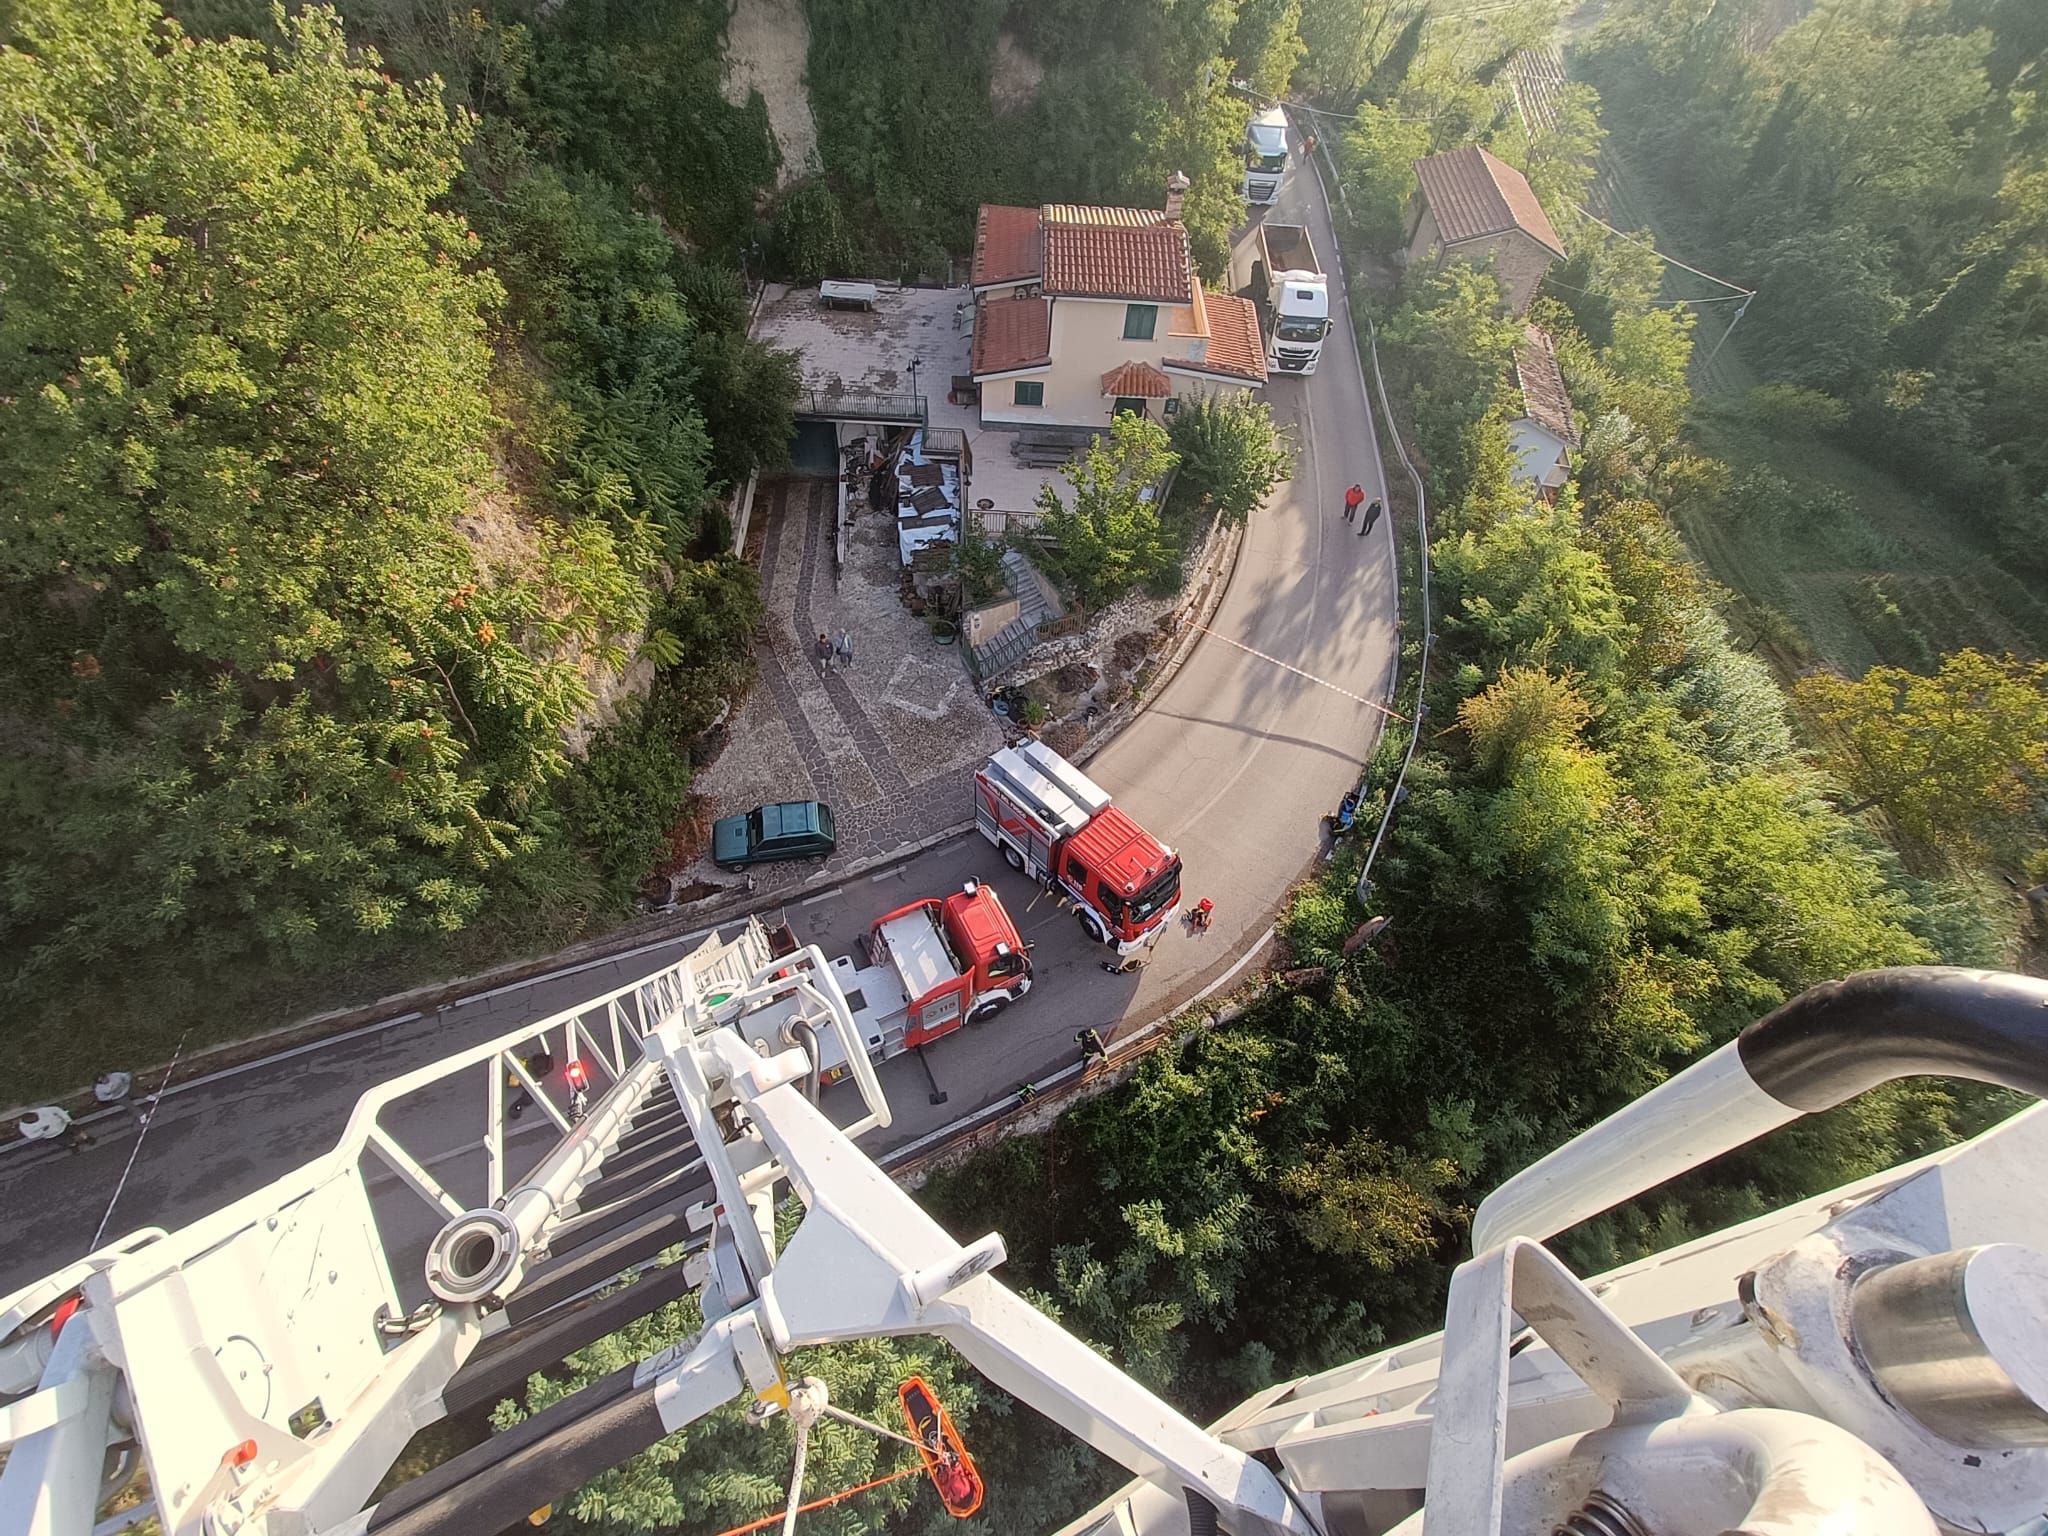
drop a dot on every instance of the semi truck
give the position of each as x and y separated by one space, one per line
1057 825
1265 155
923 970
1293 298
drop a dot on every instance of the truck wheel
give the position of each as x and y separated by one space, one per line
1091 926
989 1008
1012 857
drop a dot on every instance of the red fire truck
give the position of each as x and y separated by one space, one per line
1057 825
931 967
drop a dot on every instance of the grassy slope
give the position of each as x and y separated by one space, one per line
1945 581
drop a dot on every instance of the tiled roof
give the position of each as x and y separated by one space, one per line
1544 398
1011 333
1006 246
1115 253
1473 195
1236 349
1137 380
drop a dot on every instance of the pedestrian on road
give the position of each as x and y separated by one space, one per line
1352 500
1372 515
824 649
53 1123
844 649
113 1089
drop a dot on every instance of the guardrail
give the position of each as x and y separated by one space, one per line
859 405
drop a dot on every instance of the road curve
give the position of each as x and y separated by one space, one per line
1233 763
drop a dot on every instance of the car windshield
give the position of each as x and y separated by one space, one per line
1301 330
753 827
825 821
1158 896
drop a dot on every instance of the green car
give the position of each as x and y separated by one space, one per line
796 829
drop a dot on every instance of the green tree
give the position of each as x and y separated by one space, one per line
1265 43
280 699
1378 155
1231 453
1951 757
1365 1198
1111 538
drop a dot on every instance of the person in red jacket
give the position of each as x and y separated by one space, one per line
1353 499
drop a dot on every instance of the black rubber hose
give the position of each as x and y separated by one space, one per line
1833 1041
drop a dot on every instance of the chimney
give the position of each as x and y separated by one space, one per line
1176 193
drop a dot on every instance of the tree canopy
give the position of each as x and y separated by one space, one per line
1949 757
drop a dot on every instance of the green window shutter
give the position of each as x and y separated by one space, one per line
1139 321
1028 392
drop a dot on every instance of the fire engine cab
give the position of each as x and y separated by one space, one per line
932 966
1058 826
926 969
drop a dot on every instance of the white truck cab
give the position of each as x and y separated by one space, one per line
1265 155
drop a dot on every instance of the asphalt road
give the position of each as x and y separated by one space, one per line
1233 764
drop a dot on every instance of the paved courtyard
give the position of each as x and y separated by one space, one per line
849 352
890 742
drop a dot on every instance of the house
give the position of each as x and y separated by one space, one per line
1543 438
1081 313
1469 206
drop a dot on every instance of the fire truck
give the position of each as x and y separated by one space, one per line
1058 826
927 968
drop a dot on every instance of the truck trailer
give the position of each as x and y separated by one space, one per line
1293 297
1057 825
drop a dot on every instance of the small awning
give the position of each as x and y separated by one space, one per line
1136 381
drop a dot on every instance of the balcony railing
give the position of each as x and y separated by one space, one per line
859 405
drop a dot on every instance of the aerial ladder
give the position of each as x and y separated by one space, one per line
1869 1363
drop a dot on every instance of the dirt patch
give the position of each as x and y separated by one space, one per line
766 44
1013 82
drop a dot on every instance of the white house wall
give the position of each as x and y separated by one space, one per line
1539 454
1087 341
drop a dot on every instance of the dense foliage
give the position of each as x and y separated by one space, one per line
1108 535
928 108
360 437
1232 454
1900 250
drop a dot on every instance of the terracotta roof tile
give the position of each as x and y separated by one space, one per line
1137 380
1236 350
1473 195
1006 244
1011 333
1545 400
1115 253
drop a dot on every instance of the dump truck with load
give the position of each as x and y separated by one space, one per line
1293 297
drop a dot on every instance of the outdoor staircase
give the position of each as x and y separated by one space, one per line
1038 603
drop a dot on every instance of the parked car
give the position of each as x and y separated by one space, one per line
795 829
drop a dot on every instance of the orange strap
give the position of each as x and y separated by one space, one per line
831 1498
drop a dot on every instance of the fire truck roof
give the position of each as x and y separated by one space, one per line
980 921
1121 851
1057 793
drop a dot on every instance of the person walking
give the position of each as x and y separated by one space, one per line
844 649
1372 515
52 1122
824 651
113 1090
1352 499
